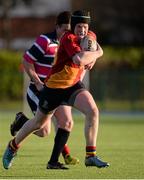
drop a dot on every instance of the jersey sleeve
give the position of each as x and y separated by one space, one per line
37 50
71 44
92 34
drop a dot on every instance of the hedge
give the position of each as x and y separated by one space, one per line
114 58
11 79
123 57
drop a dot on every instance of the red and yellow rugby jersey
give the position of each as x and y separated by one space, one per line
64 72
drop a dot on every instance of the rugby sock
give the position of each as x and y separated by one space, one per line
13 145
90 151
66 150
60 140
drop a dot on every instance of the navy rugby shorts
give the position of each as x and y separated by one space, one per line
33 97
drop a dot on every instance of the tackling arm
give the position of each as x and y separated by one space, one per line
29 68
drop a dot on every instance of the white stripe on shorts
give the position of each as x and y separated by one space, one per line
32 96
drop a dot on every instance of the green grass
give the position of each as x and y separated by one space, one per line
120 142
105 105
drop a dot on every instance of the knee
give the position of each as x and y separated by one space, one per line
93 114
39 125
67 125
95 111
43 132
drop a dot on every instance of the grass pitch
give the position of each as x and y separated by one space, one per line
120 142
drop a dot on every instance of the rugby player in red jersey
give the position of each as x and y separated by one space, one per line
64 84
38 62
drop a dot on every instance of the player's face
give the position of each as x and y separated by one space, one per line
81 30
62 29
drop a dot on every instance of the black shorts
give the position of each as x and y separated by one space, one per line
50 98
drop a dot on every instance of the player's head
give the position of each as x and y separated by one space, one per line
80 21
63 22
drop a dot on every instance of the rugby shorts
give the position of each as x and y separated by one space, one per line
51 98
33 96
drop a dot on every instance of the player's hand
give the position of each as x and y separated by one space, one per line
39 85
90 65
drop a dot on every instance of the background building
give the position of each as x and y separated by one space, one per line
117 22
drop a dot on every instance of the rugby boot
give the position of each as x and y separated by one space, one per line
95 161
17 124
71 160
8 157
56 165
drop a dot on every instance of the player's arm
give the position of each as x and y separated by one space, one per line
90 65
30 70
87 57
32 55
83 75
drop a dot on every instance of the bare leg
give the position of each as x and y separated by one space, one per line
45 131
38 122
85 103
63 118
